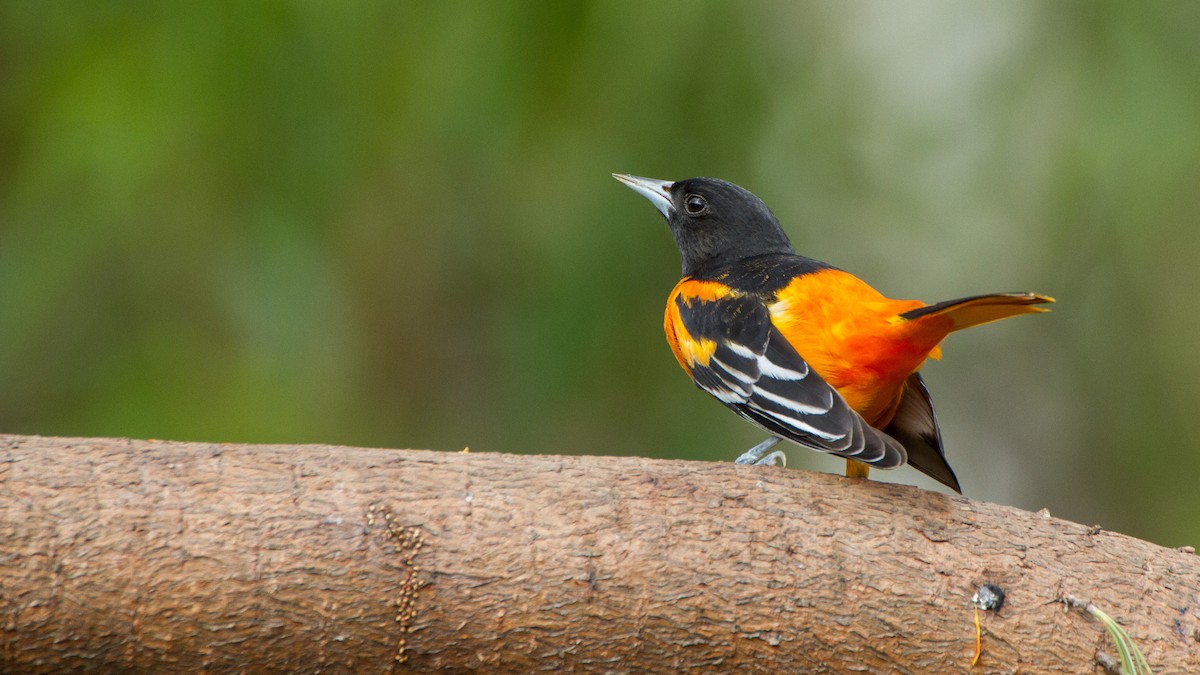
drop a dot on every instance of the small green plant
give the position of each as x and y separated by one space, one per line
1132 660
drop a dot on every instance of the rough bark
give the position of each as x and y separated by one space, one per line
120 555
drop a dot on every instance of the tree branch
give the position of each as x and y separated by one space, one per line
120 555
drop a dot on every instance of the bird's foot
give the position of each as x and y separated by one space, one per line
759 454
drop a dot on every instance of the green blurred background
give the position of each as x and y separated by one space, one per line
392 224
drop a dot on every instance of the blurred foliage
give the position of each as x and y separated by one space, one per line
393 224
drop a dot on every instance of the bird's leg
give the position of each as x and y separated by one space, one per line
856 469
759 455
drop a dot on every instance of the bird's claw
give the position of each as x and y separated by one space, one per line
759 455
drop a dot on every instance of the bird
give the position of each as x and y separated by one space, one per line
804 350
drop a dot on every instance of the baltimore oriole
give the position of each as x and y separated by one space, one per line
802 349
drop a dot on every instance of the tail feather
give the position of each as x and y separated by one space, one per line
980 309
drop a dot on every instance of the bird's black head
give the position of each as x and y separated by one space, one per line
714 222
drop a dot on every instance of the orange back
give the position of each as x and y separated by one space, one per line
853 337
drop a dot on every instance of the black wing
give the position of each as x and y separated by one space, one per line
915 425
755 371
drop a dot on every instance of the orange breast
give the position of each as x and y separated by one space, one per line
851 334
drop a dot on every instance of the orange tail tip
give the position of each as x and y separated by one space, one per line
980 309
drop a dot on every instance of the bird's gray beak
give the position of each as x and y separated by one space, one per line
657 191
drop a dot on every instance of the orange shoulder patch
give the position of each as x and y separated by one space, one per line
688 350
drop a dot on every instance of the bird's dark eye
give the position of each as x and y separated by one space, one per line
695 205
